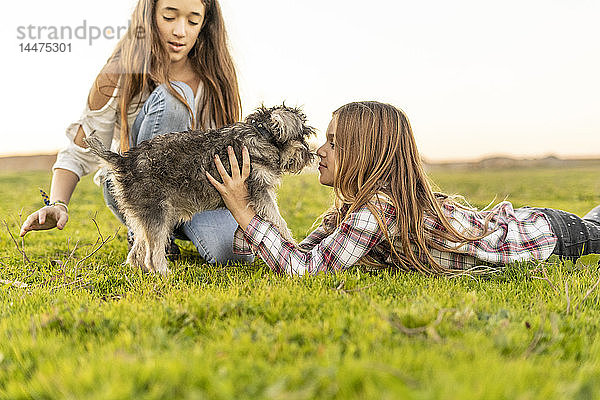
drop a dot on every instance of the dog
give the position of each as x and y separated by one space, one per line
162 182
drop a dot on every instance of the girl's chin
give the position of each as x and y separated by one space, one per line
177 57
324 181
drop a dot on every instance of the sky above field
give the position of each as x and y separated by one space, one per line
476 78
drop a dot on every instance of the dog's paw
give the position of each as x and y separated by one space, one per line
164 271
161 266
140 266
136 263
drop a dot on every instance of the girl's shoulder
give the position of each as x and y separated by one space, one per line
379 206
104 88
383 202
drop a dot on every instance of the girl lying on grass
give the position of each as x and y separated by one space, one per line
386 214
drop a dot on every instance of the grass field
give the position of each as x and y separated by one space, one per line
87 326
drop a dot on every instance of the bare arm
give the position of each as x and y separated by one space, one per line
48 217
63 180
63 185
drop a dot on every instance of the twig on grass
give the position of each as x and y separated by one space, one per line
77 283
51 279
62 275
21 224
71 254
15 283
100 238
340 288
588 293
568 298
25 280
73 283
428 329
25 258
99 246
477 271
545 278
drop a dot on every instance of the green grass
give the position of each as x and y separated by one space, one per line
93 328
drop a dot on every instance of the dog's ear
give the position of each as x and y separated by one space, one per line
308 131
288 123
261 114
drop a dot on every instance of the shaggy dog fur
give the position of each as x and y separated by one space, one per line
162 182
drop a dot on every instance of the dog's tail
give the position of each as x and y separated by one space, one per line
96 147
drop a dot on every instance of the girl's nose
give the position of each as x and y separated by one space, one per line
320 152
179 28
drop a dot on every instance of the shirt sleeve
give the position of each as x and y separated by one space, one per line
313 239
343 248
241 245
101 122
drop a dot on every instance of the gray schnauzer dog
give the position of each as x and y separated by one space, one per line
162 182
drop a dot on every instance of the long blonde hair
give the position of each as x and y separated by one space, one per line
377 158
140 63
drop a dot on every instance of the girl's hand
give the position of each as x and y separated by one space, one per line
45 218
233 189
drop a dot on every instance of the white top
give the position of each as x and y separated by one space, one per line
106 124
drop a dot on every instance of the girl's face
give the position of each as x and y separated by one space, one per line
179 23
327 155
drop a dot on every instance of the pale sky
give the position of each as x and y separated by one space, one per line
476 78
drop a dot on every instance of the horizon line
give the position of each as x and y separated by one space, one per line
425 159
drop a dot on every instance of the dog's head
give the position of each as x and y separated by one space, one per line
286 128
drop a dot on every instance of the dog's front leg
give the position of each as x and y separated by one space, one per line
159 258
156 258
265 205
137 254
148 250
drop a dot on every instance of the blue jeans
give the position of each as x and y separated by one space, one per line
210 231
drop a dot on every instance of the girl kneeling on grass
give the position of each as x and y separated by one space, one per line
171 72
386 214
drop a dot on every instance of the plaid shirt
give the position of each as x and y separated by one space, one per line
516 235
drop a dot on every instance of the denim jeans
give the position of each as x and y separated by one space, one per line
210 231
576 236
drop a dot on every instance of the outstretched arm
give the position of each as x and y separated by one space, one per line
48 217
73 162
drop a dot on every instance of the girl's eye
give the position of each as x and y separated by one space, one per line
168 19
193 23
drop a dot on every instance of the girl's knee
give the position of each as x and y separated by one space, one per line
225 255
212 233
221 253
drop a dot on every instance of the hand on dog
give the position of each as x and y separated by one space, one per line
45 218
233 189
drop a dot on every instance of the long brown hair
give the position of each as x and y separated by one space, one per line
377 160
140 63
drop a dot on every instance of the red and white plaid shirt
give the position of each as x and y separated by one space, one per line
516 235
